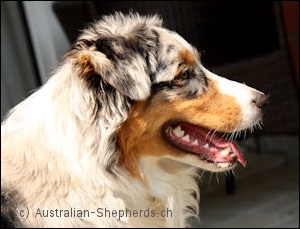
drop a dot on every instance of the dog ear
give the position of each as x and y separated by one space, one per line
124 63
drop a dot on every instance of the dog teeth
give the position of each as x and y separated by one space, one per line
195 143
186 138
224 164
178 131
225 151
206 146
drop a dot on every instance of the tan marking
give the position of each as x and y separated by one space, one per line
187 60
187 57
140 134
86 64
83 62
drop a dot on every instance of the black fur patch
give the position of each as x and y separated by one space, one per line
188 84
9 217
125 52
107 98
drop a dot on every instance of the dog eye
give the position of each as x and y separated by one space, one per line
186 74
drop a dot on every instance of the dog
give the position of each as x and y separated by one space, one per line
117 135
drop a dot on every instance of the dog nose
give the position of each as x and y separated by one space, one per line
261 101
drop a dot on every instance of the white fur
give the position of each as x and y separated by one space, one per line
243 94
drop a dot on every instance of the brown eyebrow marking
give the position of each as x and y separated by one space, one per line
187 57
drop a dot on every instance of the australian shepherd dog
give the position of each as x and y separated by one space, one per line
116 136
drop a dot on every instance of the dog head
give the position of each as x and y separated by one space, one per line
177 108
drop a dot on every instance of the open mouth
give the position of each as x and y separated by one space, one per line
210 146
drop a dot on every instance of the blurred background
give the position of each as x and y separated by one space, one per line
255 42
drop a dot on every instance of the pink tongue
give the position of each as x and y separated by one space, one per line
209 145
